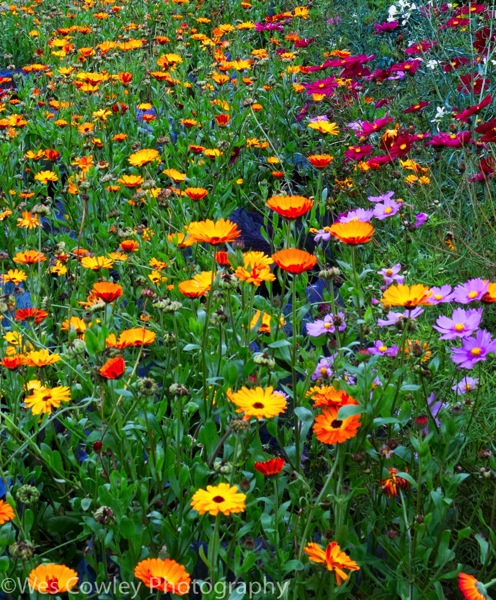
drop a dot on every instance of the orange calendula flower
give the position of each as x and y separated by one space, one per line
41 358
52 579
44 400
113 368
46 176
6 512
333 558
320 161
30 257
393 484
13 362
271 467
294 260
327 395
215 233
28 221
407 296
143 157
198 286
329 429
353 232
175 175
107 291
165 575
471 588
263 320
261 403
490 295
290 207
31 314
129 246
138 336
131 181
222 498
196 194
96 263
15 276
255 269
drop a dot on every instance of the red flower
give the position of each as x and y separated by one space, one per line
113 368
270 467
31 314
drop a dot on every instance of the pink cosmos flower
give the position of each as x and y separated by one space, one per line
440 294
391 274
461 324
471 291
386 210
473 350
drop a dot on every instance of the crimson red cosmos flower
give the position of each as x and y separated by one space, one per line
31 314
357 152
368 128
464 115
416 107
113 368
270 467
451 140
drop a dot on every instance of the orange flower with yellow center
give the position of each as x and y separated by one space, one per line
290 207
131 181
294 260
215 233
6 512
137 336
255 269
407 296
490 295
198 286
196 194
327 395
107 291
28 221
52 579
41 358
165 575
30 257
353 232
329 429
222 498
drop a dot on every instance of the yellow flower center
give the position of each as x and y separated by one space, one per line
383 349
472 295
468 387
389 272
323 371
476 351
388 210
438 297
327 325
459 327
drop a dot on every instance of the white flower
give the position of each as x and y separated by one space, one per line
432 64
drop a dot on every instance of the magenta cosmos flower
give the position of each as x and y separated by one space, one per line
473 350
461 324
381 198
359 214
472 290
467 384
441 294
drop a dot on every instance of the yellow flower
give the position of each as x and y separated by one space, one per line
95 263
222 498
322 125
45 176
44 400
143 157
258 402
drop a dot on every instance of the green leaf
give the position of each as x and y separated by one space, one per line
279 344
349 410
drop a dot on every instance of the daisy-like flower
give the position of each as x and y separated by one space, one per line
359 214
6 512
74 324
52 579
323 125
165 575
393 484
198 286
41 358
255 269
261 403
196 193
329 429
96 263
320 161
113 368
30 257
461 324
327 395
222 498
294 260
471 588
489 296
333 558
466 385
107 291
28 220
471 291
473 350
215 233
380 348
143 157
44 400
440 294
323 368
131 181
137 336
407 296
392 318
45 176
327 325
31 314
271 467
382 198
353 232
16 276
290 207
387 209
391 275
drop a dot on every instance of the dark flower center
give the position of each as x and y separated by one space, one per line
218 499
52 585
336 424
258 405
